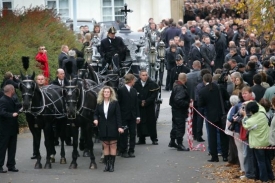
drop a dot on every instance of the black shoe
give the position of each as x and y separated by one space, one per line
182 148
213 159
107 163
140 143
225 159
200 139
3 171
34 157
131 155
112 163
172 144
155 142
125 155
13 169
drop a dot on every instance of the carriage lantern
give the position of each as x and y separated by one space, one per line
152 55
88 55
161 50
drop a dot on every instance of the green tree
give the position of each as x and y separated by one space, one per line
23 31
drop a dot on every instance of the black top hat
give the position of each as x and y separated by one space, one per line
112 30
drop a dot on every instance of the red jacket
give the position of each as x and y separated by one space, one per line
42 58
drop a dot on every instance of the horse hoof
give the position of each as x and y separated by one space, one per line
38 166
52 160
63 161
93 166
48 166
73 166
86 154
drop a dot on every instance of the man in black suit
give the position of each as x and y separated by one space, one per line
208 54
210 97
113 49
63 55
8 129
195 53
128 102
61 80
147 94
179 101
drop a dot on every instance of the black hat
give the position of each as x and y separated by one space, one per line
112 30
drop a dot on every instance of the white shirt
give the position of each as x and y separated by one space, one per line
143 83
105 108
61 82
128 87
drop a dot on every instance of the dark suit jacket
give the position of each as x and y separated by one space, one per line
175 74
108 128
258 91
210 99
128 102
56 82
208 53
195 54
62 56
8 123
248 76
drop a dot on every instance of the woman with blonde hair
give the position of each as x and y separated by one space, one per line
108 119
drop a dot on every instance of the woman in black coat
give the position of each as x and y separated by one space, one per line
108 119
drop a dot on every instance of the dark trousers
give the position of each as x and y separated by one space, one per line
8 143
263 165
199 125
160 75
131 132
168 79
233 152
213 140
178 125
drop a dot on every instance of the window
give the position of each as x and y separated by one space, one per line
111 10
6 6
61 7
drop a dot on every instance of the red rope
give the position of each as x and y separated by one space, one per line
223 129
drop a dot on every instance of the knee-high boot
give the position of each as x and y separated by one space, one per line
107 162
112 163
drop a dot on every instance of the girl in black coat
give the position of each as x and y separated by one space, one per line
108 119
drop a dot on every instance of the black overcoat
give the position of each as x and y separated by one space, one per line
8 123
149 93
108 128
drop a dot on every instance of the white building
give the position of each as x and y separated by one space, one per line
103 10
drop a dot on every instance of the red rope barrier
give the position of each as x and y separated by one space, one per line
221 129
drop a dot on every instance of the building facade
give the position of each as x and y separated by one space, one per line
102 10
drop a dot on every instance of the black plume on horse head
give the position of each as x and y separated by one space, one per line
26 62
69 67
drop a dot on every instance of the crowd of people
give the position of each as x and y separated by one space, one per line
211 62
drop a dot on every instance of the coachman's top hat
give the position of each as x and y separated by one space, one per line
112 30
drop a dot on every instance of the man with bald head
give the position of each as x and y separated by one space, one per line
179 101
8 129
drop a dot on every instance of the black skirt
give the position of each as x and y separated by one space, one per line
108 138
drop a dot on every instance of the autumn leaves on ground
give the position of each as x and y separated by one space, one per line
224 174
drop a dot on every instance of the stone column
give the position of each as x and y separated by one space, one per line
176 9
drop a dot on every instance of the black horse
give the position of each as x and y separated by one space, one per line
42 106
81 102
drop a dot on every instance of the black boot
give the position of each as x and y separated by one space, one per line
107 162
172 143
112 163
181 147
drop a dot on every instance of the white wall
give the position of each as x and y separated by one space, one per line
17 4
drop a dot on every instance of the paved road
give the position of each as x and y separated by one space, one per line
154 164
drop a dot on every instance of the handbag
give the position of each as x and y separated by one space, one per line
243 133
224 115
